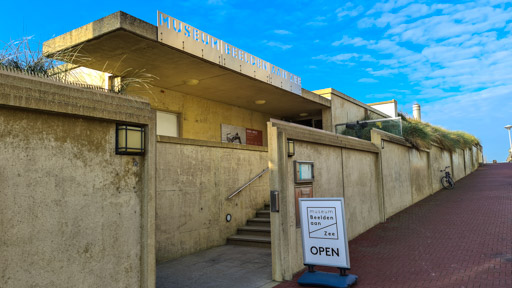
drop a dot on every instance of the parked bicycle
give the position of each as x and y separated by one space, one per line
447 180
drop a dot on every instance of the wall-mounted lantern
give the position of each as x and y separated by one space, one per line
129 139
382 144
291 148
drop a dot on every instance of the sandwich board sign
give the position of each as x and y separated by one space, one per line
324 241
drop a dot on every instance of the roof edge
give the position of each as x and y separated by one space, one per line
382 102
107 24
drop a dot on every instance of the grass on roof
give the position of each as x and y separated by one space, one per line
422 135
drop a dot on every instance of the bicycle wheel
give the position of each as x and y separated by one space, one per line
451 183
446 183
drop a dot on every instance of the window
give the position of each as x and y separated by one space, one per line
167 124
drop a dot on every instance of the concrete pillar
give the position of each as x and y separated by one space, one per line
416 111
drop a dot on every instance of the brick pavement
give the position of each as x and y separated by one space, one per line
457 238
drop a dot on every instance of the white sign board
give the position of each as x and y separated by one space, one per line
178 34
324 236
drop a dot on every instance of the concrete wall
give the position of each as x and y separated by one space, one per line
409 175
345 109
72 212
201 118
343 167
377 180
474 158
439 160
396 175
468 162
387 107
361 190
193 180
480 156
420 174
328 183
458 165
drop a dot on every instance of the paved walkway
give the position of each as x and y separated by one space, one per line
219 267
457 238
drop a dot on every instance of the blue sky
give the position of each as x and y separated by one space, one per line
454 58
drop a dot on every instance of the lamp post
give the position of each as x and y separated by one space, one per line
509 139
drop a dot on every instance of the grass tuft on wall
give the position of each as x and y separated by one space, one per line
422 135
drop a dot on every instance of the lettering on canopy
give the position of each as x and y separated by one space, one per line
178 34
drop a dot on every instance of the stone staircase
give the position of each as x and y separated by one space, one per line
255 233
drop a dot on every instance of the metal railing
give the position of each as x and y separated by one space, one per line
248 183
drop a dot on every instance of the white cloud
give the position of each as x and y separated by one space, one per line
400 91
340 58
473 106
367 58
365 22
430 30
458 58
387 6
457 50
282 32
410 12
316 23
358 41
383 72
444 54
277 44
367 80
348 10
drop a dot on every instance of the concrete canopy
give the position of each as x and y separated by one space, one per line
120 42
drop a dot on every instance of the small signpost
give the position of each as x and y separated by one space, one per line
324 242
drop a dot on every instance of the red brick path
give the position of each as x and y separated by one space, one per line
457 238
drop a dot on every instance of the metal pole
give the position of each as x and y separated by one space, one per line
509 140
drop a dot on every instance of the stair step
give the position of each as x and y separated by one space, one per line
254 230
264 222
263 214
249 240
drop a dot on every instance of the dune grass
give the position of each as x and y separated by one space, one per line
422 135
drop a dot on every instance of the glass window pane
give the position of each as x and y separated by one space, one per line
167 124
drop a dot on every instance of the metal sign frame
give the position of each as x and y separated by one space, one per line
339 240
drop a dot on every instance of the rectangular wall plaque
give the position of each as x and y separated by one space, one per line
303 171
241 135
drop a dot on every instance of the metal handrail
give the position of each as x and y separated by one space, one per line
247 184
